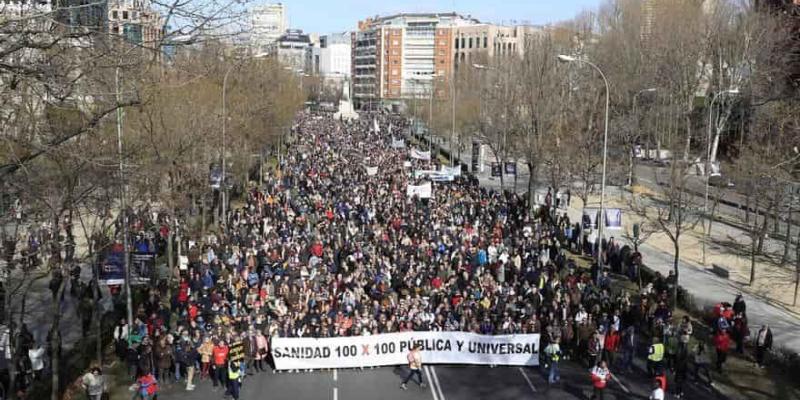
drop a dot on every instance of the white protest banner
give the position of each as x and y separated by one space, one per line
424 173
392 349
398 143
407 164
452 171
375 126
420 155
424 191
372 171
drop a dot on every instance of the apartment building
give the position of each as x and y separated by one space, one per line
403 56
136 20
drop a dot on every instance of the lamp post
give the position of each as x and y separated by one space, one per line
707 167
636 115
430 113
601 220
504 151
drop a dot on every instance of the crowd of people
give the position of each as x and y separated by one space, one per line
326 247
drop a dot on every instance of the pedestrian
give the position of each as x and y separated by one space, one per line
206 350
629 342
611 346
121 338
702 363
655 357
600 377
36 356
763 344
681 371
147 387
553 353
722 343
262 349
234 379
685 332
220 358
94 384
190 357
414 358
657 392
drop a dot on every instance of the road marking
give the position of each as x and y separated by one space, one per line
530 384
335 375
619 382
438 386
428 378
335 393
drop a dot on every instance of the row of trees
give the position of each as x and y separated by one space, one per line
88 119
699 82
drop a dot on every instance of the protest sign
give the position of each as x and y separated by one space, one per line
497 169
112 266
511 168
424 191
392 349
398 143
142 266
420 155
372 171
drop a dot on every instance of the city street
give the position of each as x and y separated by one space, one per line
708 289
444 382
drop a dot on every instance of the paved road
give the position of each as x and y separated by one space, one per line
444 382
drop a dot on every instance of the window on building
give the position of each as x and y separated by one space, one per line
441 52
395 42
124 15
485 42
457 46
463 43
114 14
394 72
395 52
470 43
134 14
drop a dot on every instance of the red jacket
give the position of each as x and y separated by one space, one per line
612 342
600 377
219 355
722 342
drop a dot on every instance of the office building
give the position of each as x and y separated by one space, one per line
268 23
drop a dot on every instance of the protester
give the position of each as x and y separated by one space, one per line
722 344
600 377
702 363
415 366
322 248
763 344
36 356
146 387
94 384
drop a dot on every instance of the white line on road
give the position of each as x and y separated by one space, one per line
436 380
335 393
530 384
428 378
335 376
619 382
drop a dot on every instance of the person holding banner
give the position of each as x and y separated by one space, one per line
600 377
415 366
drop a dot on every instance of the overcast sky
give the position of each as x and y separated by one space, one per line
327 16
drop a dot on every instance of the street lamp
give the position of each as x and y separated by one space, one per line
601 220
430 113
707 167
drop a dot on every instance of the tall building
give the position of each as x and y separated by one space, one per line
291 49
135 20
403 56
335 57
268 23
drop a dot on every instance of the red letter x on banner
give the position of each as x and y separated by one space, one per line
365 350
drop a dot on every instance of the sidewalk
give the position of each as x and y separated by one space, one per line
708 289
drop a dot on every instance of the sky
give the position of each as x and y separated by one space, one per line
328 16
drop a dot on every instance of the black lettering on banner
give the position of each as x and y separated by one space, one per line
460 344
385 347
